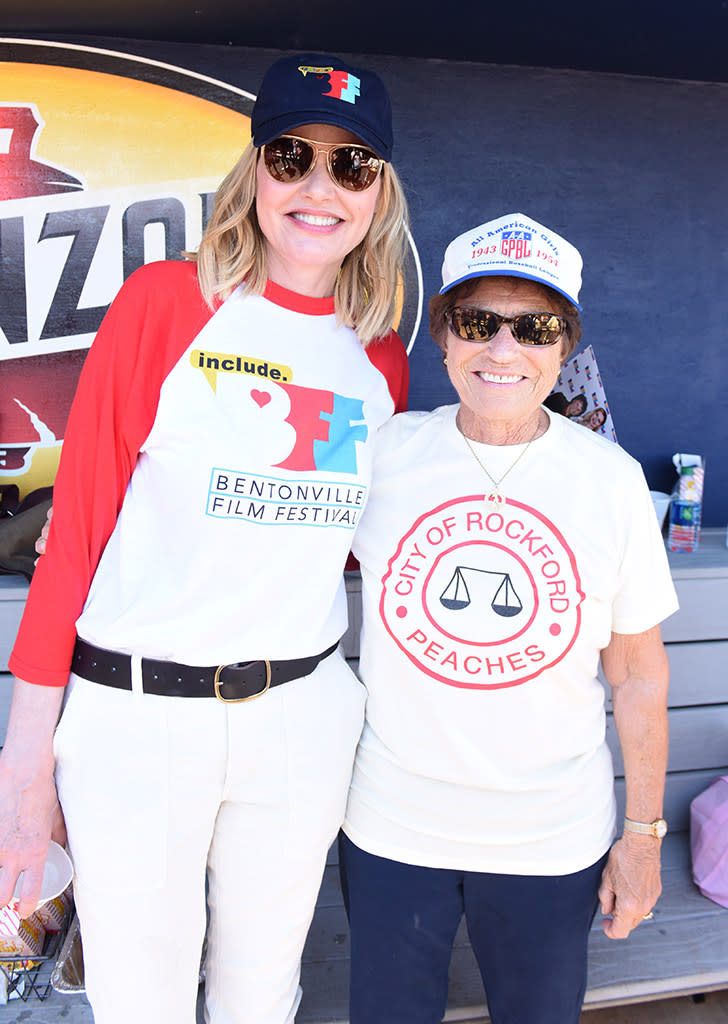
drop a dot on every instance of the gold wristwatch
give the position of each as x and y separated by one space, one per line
656 828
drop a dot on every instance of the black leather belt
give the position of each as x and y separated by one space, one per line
229 683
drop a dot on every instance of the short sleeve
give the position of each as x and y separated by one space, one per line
645 593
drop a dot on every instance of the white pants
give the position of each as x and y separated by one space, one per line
157 792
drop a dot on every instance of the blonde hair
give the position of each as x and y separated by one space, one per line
232 251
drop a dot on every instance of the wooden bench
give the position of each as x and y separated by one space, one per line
684 949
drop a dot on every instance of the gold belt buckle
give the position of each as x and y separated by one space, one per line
240 700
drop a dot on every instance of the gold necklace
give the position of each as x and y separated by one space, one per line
494 496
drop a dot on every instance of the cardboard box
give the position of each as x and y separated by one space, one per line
19 937
53 913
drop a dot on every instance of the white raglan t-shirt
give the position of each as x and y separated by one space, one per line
215 466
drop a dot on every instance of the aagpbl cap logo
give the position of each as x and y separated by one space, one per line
344 86
516 245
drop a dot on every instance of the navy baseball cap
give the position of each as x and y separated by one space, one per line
314 88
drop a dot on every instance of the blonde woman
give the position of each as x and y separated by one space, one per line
216 463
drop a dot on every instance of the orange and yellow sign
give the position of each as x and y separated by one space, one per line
106 163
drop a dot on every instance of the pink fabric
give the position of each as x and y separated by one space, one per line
709 840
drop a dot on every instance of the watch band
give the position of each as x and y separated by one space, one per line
656 828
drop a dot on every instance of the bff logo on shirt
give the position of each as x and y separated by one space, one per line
482 598
327 426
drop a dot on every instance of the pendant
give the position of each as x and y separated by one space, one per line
493 498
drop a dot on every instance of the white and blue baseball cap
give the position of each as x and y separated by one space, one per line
514 246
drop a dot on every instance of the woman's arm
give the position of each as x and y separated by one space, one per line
149 326
151 323
29 812
637 670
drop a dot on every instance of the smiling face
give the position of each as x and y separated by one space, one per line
576 407
501 383
595 420
311 225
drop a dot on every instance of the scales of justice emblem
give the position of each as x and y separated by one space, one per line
456 595
479 593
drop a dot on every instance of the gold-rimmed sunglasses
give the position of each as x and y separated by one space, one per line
290 159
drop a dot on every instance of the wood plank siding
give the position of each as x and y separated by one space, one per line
685 948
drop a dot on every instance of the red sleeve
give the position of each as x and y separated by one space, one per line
156 315
389 356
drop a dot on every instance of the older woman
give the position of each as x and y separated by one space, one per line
216 462
483 785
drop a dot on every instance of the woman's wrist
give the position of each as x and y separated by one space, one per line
655 828
28 748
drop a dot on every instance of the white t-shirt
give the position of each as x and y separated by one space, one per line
484 747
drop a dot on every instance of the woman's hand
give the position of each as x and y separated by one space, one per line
30 816
40 544
630 884
29 811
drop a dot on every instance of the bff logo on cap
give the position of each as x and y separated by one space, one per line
344 86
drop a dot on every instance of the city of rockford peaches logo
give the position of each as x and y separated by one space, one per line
482 596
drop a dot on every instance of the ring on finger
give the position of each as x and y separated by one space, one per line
648 917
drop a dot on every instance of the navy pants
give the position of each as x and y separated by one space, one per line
529 935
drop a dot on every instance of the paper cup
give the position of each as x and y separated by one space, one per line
57 875
661 501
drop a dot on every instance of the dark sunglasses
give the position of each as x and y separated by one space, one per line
472 324
290 159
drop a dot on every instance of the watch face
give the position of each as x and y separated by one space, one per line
660 828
